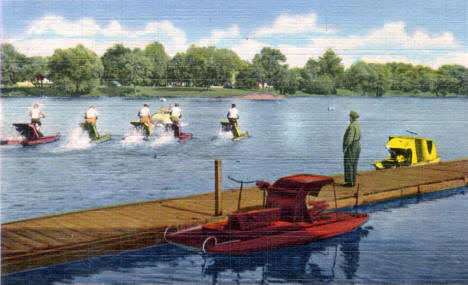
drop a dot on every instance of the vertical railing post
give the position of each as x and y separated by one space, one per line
218 199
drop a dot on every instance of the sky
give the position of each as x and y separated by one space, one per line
425 32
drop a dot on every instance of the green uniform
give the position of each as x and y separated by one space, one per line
351 150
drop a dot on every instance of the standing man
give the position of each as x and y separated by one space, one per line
351 149
36 115
233 116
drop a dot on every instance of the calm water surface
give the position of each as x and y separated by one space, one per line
289 136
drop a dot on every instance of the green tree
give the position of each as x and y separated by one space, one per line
13 64
177 69
330 64
226 64
360 77
75 70
381 80
36 68
453 77
268 63
157 55
137 68
112 62
248 77
200 65
321 84
328 67
287 80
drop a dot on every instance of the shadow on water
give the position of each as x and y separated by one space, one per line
334 260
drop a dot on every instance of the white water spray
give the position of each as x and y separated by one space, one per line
78 139
135 136
166 137
224 134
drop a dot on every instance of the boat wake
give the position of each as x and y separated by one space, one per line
13 136
223 134
78 139
166 137
133 137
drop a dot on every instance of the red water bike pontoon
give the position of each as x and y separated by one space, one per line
179 134
287 221
30 135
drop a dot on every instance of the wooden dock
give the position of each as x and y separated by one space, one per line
83 234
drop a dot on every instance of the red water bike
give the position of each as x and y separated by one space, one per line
30 136
288 220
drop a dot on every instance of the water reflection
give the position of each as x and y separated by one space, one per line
311 263
315 262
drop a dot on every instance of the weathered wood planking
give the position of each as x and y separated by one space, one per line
76 235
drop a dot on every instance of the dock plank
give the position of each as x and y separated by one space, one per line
65 237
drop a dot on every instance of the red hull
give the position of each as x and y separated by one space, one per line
278 235
185 137
46 139
27 142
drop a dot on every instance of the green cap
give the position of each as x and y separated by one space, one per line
353 114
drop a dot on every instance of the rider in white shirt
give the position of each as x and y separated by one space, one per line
145 114
36 115
233 113
176 113
233 116
91 115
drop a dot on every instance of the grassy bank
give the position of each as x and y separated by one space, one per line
168 92
139 91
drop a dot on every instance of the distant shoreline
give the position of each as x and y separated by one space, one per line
260 96
182 92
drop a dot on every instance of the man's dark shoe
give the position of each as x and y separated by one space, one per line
347 184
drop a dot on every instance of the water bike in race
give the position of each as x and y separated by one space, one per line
93 133
408 151
177 129
143 127
287 220
228 126
30 135
162 117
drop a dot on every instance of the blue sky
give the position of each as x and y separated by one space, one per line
419 32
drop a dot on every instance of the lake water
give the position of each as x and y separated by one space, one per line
295 135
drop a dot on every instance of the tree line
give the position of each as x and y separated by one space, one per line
77 70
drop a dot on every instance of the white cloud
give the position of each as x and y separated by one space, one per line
231 34
59 26
458 58
46 47
293 24
391 35
391 42
51 32
247 49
